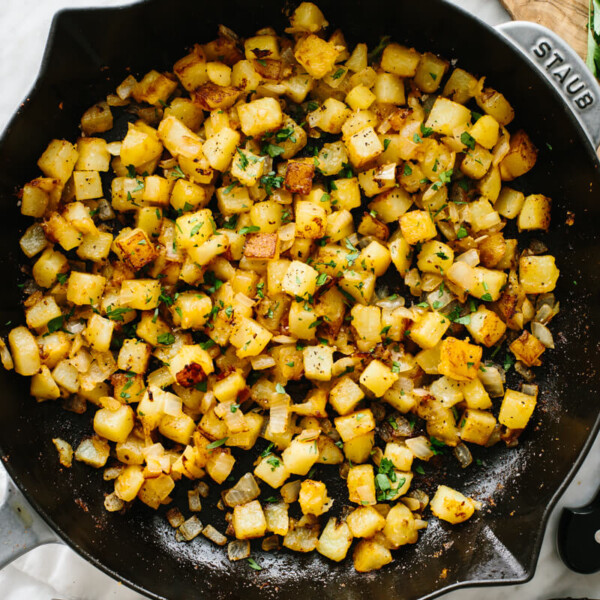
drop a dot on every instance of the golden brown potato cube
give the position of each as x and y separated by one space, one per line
400 527
87 185
85 288
190 114
34 201
313 498
459 360
141 294
93 451
330 116
461 86
141 145
451 506
307 17
136 249
220 148
316 55
191 69
249 337
447 116
264 246
153 88
521 157
298 176
300 456
400 60
485 131
38 315
361 485
155 491
58 229
492 250
318 362
476 162
528 349
485 326
430 72
435 257
58 160
365 521
247 167
363 147
359 284
134 356
311 220
370 555
538 274
114 425
210 96
417 226
128 387
335 541
378 378
535 213
476 426
429 329
496 105
24 350
355 424
259 116
97 119
43 386
179 139
516 409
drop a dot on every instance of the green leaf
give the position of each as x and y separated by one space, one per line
250 229
254 564
55 324
216 443
468 140
280 389
116 314
273 150
177 173
165 339
381 46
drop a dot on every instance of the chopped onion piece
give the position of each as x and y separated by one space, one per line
175 517
471 257
290 491
463 455
420 447
430 282
411 503
526 373
271 543
190 528
279 412
420 524
244 491
112 503
284 339
238 550
495 436
287 232
194 501
65 452
105 211
172 405
542 333
214 536
421 496
262 361
111 473
203 489
493 380
530 389
391 303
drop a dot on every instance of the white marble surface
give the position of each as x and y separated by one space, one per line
57 572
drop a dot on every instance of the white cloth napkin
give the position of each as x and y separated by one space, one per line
56 571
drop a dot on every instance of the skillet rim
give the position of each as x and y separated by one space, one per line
576 127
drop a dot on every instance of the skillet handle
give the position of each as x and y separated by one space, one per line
563 68
21 528
579 537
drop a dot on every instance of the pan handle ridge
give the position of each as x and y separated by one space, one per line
563 68
21 528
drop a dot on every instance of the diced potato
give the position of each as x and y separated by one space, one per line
335 541
509 203
93 451
435 257
485 131
447 116
220 465
135 248
430 72
99 333
361 484
476 162
272 471
516 409
528 349
429 329
153 88
316 55
141 145
134 356
307 17
359 284
355 424
476 395
43 386
400 60
58 160
389 89
313 498
476 426
114 425
259 116
85 288
190 365
345 395
417 226
129 482
318 362
400 527
87 185
521 157
364 147
377 378
155 491
249 337
311 220
496 105
370 555
58 229
485 326
300 280
300 456
538 274
221 148
535 213
401 253
141 294
459 360
97 119
365 522
178 428
451 506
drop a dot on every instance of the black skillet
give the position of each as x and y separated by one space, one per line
89 53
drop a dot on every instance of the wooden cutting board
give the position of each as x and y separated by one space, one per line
568 18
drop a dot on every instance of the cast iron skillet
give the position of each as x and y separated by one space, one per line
518 487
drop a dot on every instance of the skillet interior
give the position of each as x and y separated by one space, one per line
502 543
